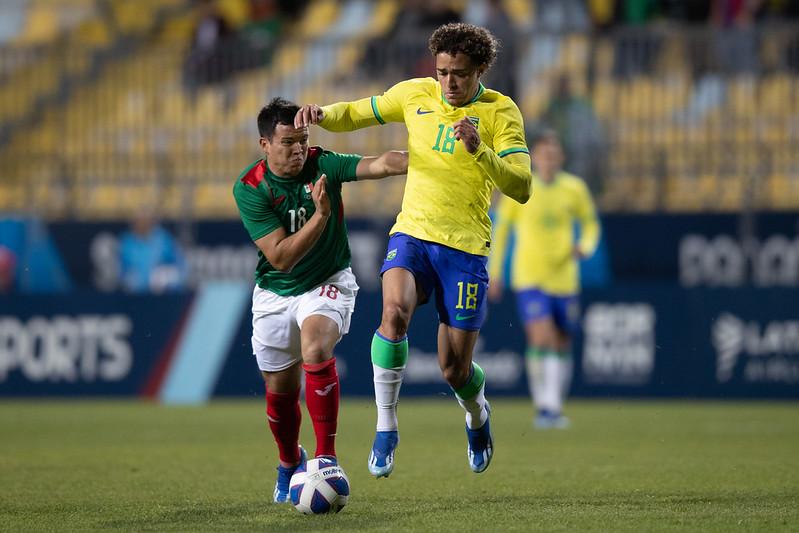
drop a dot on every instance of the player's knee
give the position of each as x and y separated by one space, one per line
315 353
395 320
454 374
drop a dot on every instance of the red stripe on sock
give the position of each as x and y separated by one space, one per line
283 415
322 399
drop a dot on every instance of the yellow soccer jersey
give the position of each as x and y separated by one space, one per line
543 255
448 190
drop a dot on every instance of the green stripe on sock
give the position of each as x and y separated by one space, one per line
388 354
472 387
534 353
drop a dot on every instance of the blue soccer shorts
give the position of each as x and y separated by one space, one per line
535 304
458 279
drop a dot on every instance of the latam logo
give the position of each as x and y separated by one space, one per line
770 353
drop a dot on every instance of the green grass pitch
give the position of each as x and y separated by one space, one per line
623 466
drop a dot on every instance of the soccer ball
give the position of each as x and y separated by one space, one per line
319 486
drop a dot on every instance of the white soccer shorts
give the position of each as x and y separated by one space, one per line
276 320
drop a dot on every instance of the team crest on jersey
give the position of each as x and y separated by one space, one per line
475 121
307 188
391 255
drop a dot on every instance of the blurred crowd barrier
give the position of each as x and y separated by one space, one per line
125 109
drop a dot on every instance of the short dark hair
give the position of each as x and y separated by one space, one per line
277 111
474 41
545 135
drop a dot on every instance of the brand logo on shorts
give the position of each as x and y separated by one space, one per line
391 255
464 317
325 391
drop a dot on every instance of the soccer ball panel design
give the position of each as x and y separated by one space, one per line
320 486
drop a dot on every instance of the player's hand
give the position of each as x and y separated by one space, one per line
307 115
577 253
319 196
466 132
495 289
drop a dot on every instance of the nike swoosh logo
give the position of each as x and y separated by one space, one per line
463 317
275 420
326 390
420 112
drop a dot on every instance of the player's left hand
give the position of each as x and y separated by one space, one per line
466 132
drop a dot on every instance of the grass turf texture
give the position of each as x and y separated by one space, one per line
632 466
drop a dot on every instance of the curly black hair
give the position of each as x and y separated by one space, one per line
474 41
277 111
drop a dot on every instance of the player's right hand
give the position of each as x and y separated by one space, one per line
307 115
319 196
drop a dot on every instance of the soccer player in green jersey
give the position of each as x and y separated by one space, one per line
464 140
545 275
290 204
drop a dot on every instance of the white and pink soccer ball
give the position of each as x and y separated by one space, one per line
319 486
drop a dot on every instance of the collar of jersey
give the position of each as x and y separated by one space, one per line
548 184
480 90
283 179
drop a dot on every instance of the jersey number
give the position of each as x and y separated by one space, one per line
298 219
471 296
448 146
331 291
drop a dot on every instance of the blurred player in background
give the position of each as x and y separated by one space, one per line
290 203
464 140
545 275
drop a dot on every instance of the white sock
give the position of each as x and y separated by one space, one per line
535 380
387 383
476 413
551 390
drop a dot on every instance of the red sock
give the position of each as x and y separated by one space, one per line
283 414
321 397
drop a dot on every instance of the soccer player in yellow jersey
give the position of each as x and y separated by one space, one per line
545 275
463 141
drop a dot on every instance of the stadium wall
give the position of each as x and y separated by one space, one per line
695 305
637 340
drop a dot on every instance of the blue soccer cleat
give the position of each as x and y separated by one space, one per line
481 445
284 478
381 458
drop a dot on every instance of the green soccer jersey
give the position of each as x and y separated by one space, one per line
267 201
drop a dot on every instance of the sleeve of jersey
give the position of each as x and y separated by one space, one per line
509 163
349 116
339 168
506 215
589 225
258 217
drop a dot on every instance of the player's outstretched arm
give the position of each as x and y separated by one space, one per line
392 163
284 251
511 174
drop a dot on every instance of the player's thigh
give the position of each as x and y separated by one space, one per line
275 334
461 294
542 332
283 381
324 315
408 277
536 313
566 313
